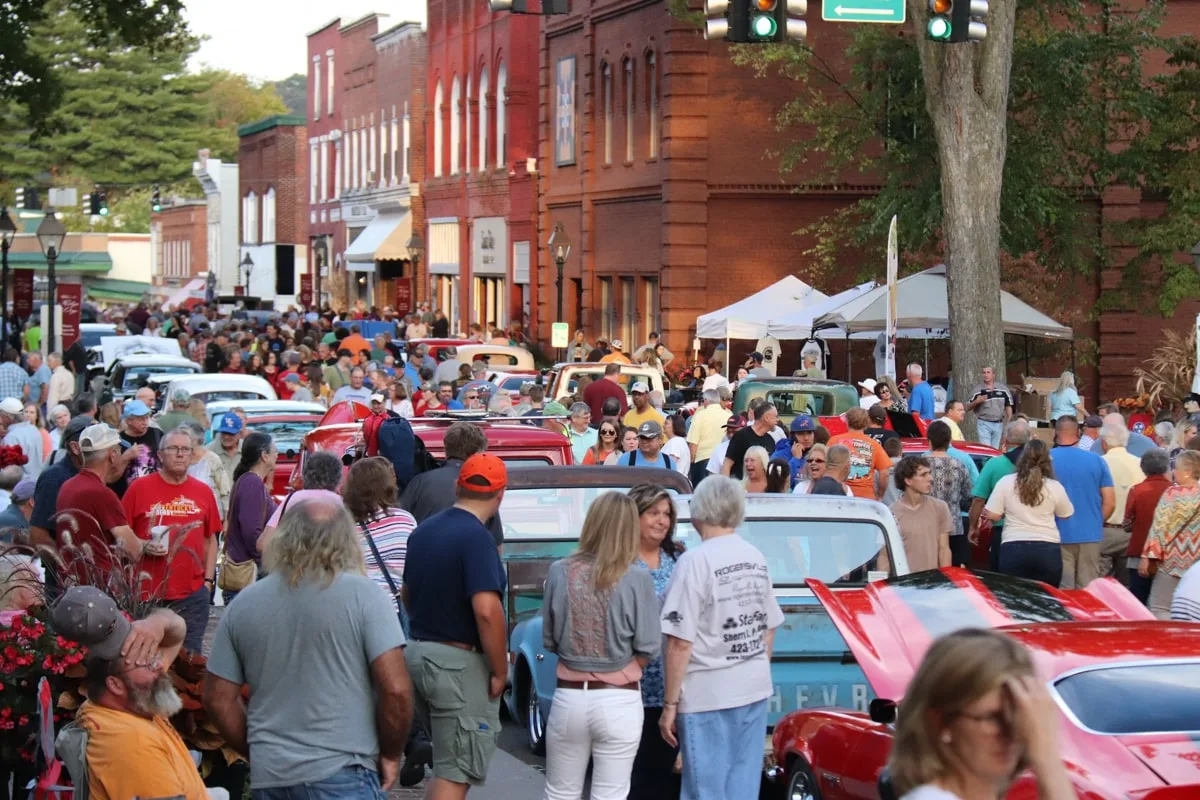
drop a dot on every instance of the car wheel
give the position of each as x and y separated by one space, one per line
535 723
802 784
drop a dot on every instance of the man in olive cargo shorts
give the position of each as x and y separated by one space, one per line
457 654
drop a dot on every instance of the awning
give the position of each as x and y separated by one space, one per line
70 261
748 318
115 291
384 239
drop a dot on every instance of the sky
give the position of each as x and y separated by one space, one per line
266 39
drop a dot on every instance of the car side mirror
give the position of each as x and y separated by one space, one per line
882 711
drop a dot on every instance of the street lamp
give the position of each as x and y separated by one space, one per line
246 267
560 249
416 249
8 232
51 234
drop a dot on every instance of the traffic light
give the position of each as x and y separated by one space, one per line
957 20
99 203
156 201
85 205
755 21
20 197
32 201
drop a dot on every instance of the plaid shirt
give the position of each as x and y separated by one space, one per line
13 381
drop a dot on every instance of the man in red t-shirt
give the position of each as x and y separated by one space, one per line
91 526
598 391
869 464
173 499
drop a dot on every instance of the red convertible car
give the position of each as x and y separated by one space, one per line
1127 686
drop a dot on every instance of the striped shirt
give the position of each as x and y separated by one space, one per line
1185 607
390 530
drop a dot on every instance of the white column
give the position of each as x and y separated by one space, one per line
404 143
324 169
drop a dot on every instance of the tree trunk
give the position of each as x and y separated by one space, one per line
966 95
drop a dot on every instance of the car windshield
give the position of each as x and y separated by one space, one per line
546 522
90 337
135 377
815 403
227 394
832 551
286 435
515 384
1137 698
626 379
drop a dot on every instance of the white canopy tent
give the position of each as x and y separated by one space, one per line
749 318
921 303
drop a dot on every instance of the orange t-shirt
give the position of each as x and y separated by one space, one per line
131 756
866 458
620 358
355 344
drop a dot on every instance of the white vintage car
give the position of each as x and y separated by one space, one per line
211 388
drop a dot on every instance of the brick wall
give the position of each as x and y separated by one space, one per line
181 251
273 153
324 126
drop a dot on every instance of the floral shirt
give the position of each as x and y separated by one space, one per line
951 485
654 685
1175 532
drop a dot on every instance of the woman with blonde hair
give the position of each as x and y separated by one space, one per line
1174 537
601 617
1064 400
33 415
754 470
1184 429
973 717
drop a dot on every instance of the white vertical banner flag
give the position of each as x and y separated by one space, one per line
1196 377
893 268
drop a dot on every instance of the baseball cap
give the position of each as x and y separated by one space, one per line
293 378
74 428
756 356
11 405
230 423
137 408
649 430
553 409
736 421
803 422
180 397
617 343
639 388
483 473
24 489
1093 421
98 437
868 384
377 398
479 366
87 615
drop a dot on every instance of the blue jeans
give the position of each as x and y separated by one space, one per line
1140 586
990 433
1039 561
354 783
722 752
194 610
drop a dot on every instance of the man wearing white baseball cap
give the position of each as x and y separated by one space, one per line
642 411
23 435
617 353
868 399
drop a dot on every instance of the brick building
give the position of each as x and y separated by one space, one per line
325 232
272 176
179 245
479 190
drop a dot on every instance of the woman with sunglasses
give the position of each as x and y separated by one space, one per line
814 469
889 394
606 444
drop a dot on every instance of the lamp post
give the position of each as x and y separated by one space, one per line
51 234
560 249
245 268
416 249
8 231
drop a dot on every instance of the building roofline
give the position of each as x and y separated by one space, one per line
334 21
399 27
363 19
277 121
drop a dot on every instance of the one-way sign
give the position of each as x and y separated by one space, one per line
886 11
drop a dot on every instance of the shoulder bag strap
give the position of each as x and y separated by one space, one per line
667 460
387 576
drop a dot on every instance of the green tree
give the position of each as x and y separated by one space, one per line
232 100
293 90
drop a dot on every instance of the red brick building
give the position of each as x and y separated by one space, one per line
178 244
325 232
272 179
479 190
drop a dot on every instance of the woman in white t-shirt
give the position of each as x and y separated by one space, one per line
677 446
1029 501
974 715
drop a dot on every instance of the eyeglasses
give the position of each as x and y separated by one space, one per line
816 461
607 432
472 397
177 451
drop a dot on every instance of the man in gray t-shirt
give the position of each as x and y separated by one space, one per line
330 699
992 403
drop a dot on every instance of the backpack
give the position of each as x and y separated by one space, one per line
633 454
399 445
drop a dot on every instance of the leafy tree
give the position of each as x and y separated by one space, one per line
293 90
232 100
27 76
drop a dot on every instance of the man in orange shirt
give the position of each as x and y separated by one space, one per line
869 464
617 354
355 343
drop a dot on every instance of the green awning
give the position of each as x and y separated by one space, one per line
115 290
71 261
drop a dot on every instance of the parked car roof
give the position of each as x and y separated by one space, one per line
256 408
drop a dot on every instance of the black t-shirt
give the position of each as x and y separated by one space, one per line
143 465
276 345
742 441
451 558
828 485
881 435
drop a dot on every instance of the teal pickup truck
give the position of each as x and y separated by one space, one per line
837 540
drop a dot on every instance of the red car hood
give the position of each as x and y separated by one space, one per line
343 412
888 625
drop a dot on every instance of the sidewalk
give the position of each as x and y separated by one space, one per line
508 779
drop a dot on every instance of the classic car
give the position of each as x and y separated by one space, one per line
259 408
497 356
1127 686
210 388
792 396
126 374
566 379
287 431
436 346
835 539
511 381
543 513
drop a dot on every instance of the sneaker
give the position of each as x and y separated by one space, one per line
413 771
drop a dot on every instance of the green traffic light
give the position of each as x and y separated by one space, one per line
939 28
104 211
764 26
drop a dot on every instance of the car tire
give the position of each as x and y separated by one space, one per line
802 784
535 723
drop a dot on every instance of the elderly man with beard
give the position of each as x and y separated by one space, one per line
132 748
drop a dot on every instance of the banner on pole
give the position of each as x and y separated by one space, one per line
893 268
22 292
70 301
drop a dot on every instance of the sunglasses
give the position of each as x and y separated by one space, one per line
472 397
816 461
607 432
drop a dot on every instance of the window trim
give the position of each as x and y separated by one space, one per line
606 83
630 107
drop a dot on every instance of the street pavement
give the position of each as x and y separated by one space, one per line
514 773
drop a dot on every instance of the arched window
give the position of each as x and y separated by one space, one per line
501 114
467 127
607 90
483 120
628 109
455 124
652 103
268 216
437 130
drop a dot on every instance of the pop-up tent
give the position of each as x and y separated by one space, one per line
748 318
800 323
921 303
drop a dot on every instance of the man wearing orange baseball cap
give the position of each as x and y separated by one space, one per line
453 582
